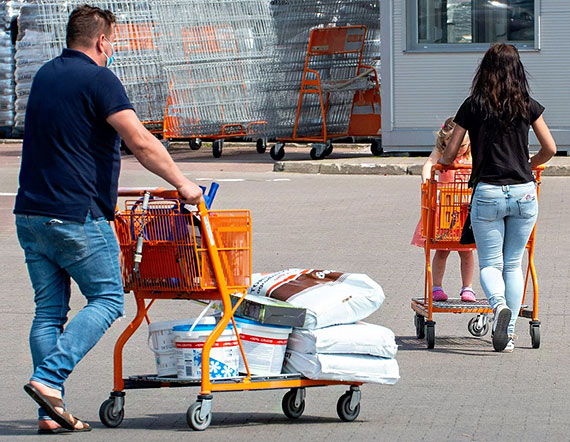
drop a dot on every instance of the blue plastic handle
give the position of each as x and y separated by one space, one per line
209 197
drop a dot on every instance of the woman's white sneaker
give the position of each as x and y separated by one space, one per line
500 325
511 344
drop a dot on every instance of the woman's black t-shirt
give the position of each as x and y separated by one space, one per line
508 159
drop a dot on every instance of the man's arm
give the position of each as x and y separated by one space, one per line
152 154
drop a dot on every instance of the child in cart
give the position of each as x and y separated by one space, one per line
440 257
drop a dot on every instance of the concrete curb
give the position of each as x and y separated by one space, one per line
347 168
368 168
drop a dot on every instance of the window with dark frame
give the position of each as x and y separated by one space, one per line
464 22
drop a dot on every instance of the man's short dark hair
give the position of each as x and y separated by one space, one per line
86 23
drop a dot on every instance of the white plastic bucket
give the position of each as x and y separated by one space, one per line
161 342
224 355
264 346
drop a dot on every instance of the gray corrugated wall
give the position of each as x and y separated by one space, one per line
428 87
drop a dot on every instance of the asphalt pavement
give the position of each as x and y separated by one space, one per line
460 391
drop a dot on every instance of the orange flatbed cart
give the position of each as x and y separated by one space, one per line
365 112
163 258
444 207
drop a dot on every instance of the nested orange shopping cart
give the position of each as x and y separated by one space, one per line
169 253
444 207
342 47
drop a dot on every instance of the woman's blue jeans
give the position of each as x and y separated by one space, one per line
57 250
503 218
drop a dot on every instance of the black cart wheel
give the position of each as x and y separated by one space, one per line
343 409
329 149
195 421
261 145
475 329
535 334
430 334
195 143
290 409
277 151
108 417
376 147
217 147
419 322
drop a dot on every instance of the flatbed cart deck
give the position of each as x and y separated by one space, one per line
181 266
443 211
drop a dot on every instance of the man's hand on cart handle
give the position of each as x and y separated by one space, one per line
190 193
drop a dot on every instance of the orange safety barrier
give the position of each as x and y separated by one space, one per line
444 207
169 253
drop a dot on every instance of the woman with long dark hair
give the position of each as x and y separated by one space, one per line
498 115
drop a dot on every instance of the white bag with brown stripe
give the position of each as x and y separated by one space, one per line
329 297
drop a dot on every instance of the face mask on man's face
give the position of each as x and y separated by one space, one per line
112 57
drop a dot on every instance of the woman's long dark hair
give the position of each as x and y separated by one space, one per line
500 88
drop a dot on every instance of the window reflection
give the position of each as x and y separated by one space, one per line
475 21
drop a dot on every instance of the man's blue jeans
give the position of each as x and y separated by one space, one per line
503 218
57 250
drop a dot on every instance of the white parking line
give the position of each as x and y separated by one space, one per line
7 194
237 180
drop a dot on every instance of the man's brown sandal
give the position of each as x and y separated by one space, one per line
49 404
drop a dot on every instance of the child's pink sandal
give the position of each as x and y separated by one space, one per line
438 295
468 295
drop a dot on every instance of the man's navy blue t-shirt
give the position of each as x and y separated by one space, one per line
70 155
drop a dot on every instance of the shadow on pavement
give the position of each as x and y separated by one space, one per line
448 344
175 422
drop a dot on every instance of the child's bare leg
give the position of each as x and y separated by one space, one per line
438 267
467 265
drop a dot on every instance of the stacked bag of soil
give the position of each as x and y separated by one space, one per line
333 343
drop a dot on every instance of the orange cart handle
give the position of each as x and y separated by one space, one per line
154 191
456 166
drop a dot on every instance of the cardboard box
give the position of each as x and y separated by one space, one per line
269 311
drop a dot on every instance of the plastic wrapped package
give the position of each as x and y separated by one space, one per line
31 53
358 338
6 78
329 297
342 367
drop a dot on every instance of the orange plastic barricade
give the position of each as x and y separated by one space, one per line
444 207
365 115
170 253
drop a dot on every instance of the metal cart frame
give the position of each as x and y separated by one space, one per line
443 212
195 284
365 113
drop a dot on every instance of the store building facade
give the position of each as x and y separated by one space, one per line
431 50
